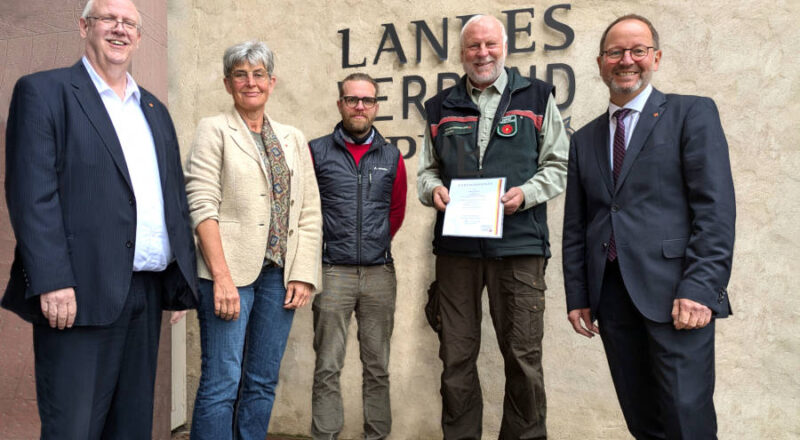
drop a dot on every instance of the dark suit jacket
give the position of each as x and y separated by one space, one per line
71 202
672 210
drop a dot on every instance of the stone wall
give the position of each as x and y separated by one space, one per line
741 54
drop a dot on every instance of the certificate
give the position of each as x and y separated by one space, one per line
475 209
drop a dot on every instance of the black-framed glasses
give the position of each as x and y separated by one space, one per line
352 101
111 23
638 53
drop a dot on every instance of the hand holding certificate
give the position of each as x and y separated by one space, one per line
475 208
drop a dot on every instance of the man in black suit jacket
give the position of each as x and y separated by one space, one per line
648 239
96 198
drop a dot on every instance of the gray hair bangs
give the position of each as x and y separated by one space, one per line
253 52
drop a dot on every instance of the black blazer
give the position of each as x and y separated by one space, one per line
672 211
71 202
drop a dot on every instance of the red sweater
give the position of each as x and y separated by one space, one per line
397 207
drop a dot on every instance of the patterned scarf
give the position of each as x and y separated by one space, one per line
275 163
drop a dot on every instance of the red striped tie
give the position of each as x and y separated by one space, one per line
619 157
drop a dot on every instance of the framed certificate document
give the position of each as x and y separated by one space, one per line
475 209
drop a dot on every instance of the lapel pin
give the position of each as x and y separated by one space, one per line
151 105
655 115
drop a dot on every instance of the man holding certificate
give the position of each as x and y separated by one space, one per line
495 125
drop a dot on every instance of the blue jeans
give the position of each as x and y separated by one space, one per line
229 404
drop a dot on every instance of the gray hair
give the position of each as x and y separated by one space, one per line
475 18
254 52
87 10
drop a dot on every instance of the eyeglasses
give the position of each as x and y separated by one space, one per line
242 76
638 53
352 101
111 23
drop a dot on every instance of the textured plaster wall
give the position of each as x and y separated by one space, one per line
743 54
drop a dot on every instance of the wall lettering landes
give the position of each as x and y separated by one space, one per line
521 42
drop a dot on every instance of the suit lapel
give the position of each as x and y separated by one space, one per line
601 151
148 108
86 94
241 136
653 109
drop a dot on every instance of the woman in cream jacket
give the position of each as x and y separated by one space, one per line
255 207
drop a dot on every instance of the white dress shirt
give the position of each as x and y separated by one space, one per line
152 251
636 105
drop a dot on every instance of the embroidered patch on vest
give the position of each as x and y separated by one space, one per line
507 126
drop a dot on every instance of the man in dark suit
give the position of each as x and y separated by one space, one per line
97 203
648 239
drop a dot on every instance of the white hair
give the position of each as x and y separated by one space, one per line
87 10
475 18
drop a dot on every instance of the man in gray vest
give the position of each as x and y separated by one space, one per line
362 185
493 123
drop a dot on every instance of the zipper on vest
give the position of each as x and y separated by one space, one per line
476 139
493 130
482 242
358 217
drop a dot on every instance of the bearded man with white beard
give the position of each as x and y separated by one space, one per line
493 123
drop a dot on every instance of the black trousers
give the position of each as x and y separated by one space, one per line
664 377
516 300
97 382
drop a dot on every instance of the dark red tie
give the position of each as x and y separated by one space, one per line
619 157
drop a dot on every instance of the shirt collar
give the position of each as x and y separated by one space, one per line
636 104
499 84
131 89
347 138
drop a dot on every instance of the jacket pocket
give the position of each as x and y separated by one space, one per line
674 248
379 182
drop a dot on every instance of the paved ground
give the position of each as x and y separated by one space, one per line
183 434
